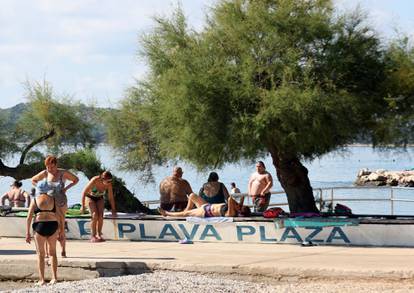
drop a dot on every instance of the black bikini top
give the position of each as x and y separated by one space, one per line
38 210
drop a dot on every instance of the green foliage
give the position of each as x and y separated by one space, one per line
47 113
396 126
289 76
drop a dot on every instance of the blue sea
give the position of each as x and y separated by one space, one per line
337 169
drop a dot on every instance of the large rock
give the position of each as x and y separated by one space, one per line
383 177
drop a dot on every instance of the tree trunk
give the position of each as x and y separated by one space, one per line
293 177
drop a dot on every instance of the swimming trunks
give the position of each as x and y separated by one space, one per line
261 202
207 211
45 228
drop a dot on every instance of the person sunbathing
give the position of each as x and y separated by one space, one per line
205 210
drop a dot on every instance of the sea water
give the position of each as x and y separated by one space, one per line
336 169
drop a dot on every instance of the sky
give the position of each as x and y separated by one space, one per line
87 49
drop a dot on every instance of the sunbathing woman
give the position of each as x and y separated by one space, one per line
94 192
46 229
56 179
206 210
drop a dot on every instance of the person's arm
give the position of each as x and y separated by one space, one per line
29 222
188 187
249 187
3 199
112 200
86 191
241 202
27 196
71 177
225 192
38 177
269 184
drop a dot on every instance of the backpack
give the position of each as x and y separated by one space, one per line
342 210
273 213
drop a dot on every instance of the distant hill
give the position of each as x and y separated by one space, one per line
95 115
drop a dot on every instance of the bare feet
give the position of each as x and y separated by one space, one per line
100 238
63 254
40 283
53 281
162 212
94 239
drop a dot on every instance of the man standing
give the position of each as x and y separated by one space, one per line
260 183
174 190
234 189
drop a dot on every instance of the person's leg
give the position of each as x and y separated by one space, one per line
232 207
198 212
100 206
198 201
62 221
40 248
51 240
47 250
94 219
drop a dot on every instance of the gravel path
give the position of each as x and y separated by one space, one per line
167 281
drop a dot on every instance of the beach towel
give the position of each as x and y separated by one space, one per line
209 220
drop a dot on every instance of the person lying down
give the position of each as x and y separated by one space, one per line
205 210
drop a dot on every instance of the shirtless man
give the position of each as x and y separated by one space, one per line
174 191
16 196
260 183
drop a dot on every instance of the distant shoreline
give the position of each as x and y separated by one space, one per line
378 147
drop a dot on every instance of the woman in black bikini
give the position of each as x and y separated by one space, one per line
205 210
46 229
56 180
94 192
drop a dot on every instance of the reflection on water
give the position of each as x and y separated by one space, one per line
334 169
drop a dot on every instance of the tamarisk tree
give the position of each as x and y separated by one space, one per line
289 78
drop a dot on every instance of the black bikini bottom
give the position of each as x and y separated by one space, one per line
45 229
94 198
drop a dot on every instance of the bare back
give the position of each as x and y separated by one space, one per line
46 204
173 189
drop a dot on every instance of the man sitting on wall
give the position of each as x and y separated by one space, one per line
174 191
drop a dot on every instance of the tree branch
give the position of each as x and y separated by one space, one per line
33 143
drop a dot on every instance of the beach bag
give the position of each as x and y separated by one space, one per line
273 213
342 210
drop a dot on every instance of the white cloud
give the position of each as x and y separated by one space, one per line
88 47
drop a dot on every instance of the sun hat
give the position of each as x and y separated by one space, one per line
42 187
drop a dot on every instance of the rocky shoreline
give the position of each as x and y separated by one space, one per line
385 178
